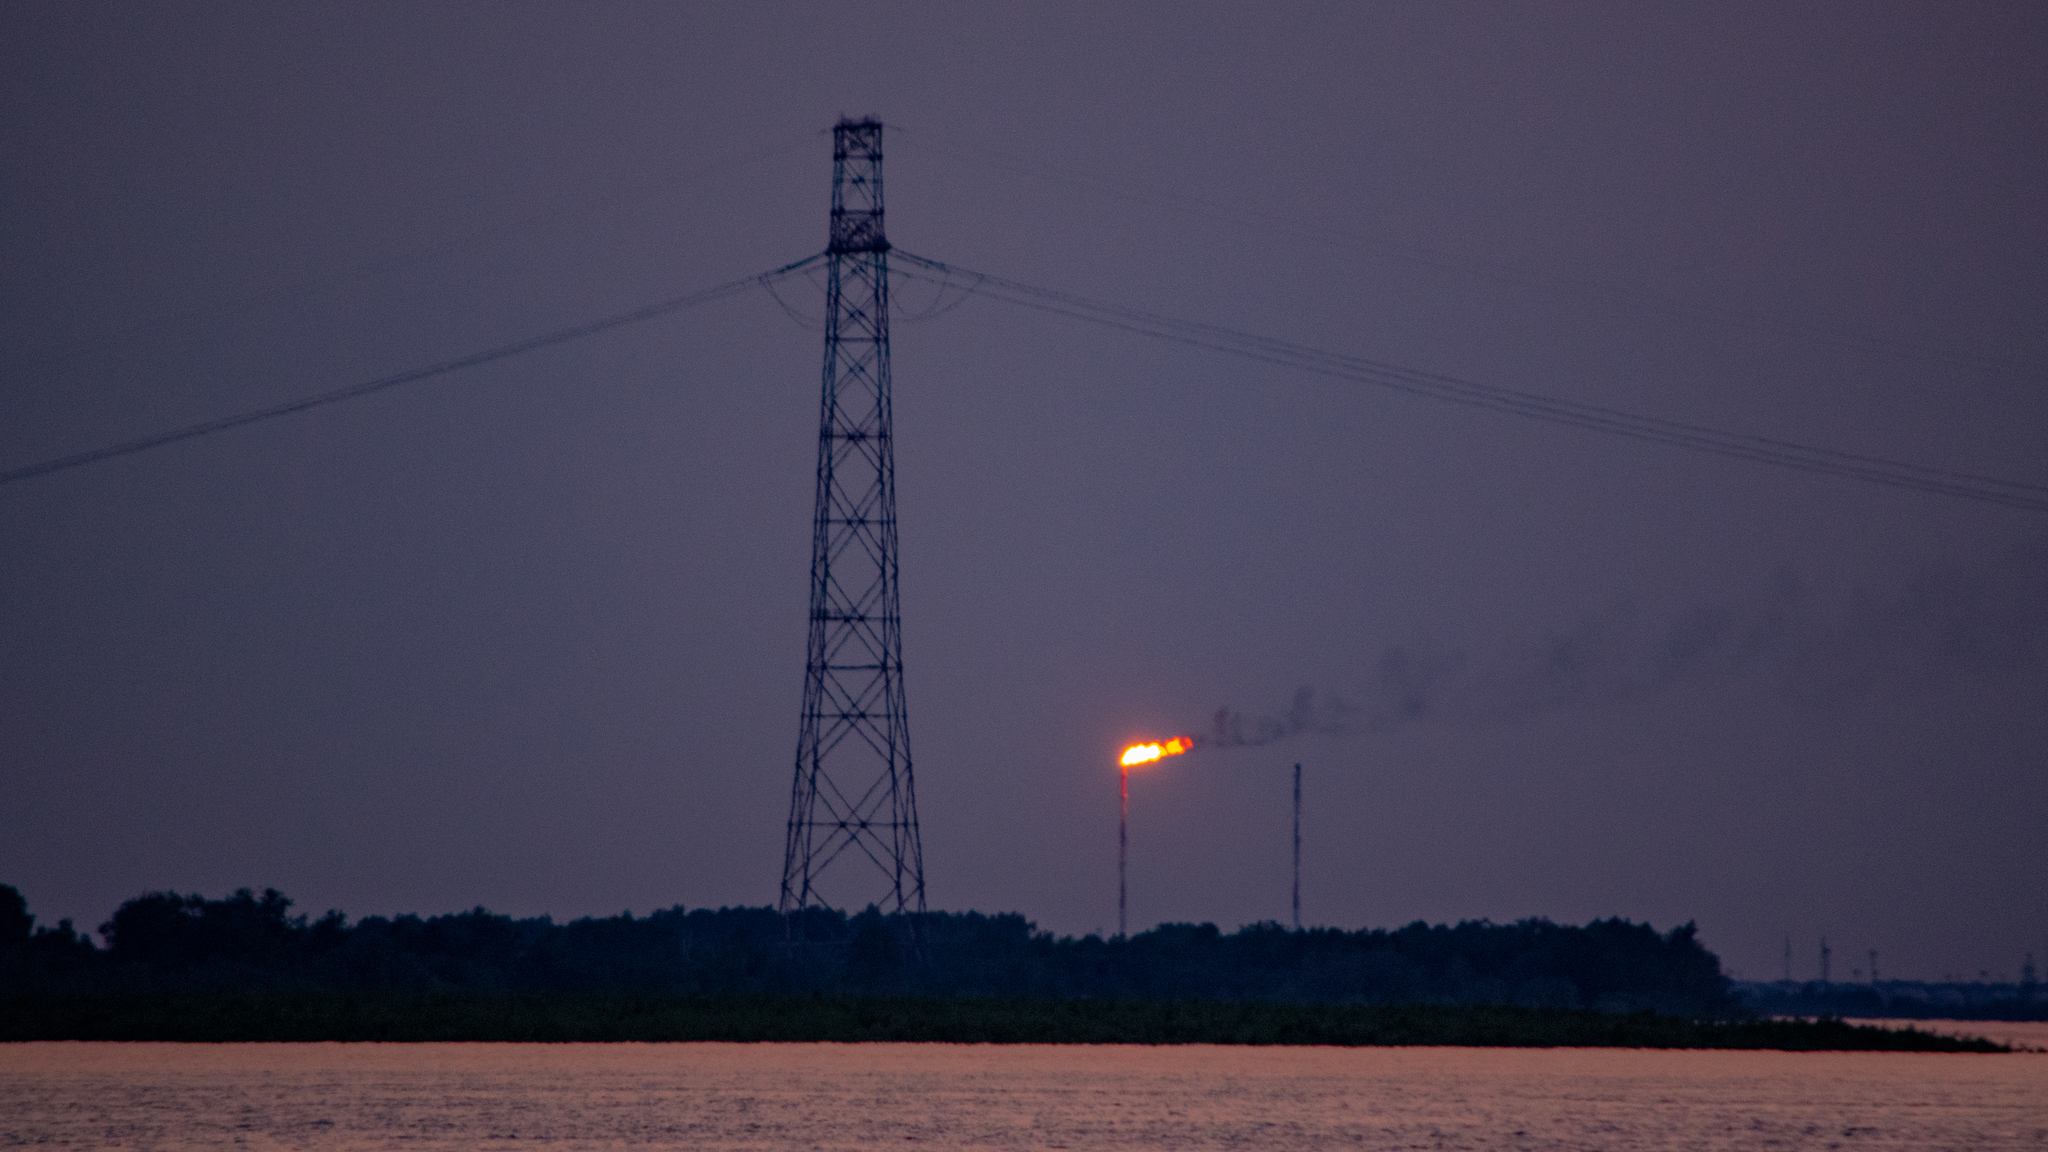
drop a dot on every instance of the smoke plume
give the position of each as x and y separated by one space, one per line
1982 623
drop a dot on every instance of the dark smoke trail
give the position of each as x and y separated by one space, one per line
1978 624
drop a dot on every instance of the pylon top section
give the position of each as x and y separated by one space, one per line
857 187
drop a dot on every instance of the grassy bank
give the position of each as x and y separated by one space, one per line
868 1018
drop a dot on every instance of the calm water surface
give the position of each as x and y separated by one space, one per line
413 1096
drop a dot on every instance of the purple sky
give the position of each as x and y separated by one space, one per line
532 636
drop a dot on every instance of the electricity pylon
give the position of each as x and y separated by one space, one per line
853 796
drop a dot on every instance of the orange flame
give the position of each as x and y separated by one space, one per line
1146 753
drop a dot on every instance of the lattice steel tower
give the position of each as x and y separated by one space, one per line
853 795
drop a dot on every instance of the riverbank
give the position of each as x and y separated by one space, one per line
2020 1035
852 1019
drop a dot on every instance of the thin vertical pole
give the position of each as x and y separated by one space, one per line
1297 847
1123 852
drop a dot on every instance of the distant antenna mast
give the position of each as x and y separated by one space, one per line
1297 847
1123 841
1824 960
1788 957
853 799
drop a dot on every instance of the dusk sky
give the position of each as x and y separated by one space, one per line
531 635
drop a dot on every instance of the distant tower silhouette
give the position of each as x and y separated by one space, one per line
853 796
1297 847
1824 960
1788 957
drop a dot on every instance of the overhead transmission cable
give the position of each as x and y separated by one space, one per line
443 368
1213 337
1451 389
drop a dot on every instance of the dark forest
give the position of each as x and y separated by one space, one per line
169 943
183 967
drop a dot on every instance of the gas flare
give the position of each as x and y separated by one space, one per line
1146 753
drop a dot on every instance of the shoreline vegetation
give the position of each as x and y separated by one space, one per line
166 944
843 1018
244 968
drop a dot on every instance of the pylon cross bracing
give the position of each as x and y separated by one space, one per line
853 836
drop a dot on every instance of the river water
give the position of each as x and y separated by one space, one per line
796 1096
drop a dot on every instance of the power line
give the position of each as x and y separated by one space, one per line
560 336
1451 389
1212 337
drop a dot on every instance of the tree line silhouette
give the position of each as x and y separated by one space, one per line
165 943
